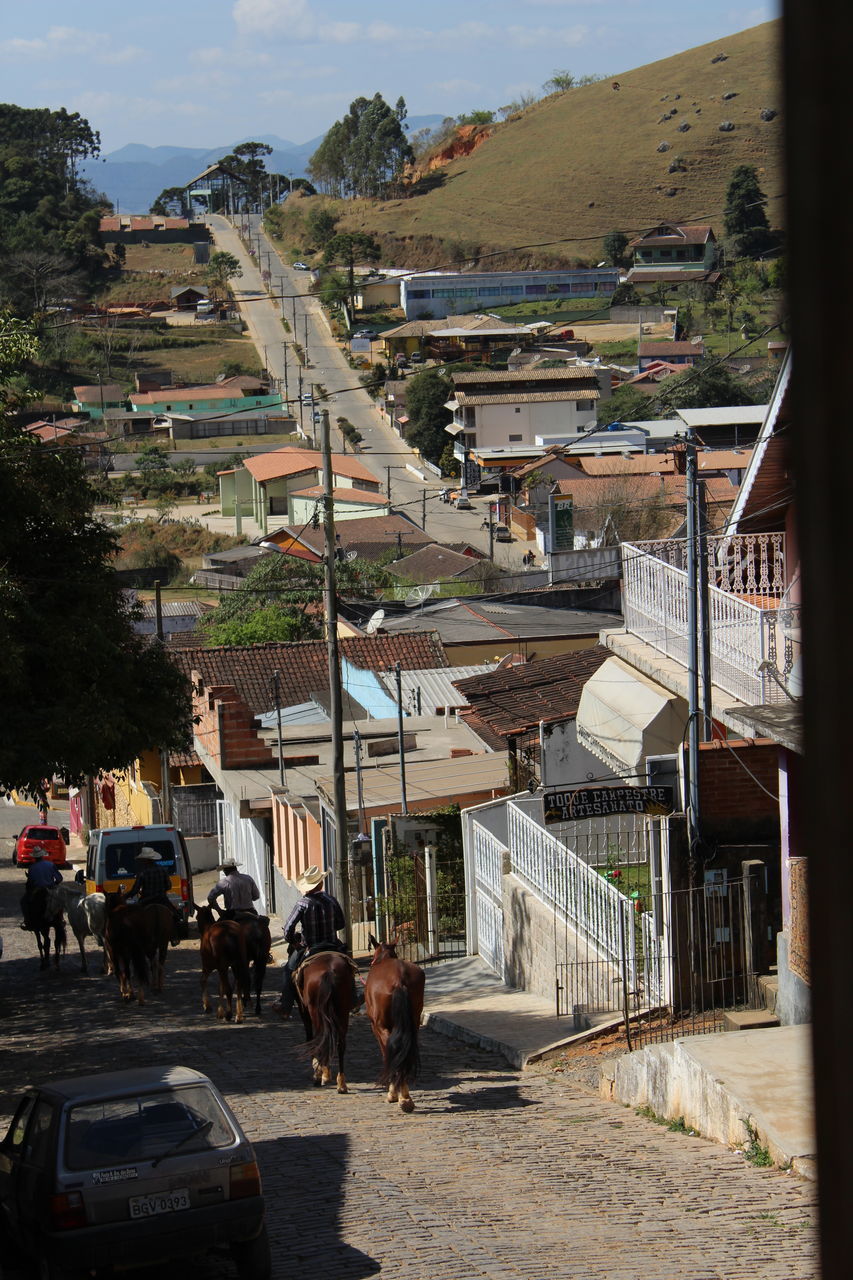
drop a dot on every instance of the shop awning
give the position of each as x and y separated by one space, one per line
624 716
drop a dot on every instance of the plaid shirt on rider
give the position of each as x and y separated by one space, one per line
152 881
318 915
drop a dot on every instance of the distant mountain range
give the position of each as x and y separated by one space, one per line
133 177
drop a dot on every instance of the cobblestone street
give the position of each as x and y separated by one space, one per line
497 1174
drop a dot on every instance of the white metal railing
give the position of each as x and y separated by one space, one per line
748 643
596 911
488 853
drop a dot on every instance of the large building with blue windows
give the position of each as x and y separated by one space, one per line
434 294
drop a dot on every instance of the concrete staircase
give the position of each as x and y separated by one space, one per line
754 1019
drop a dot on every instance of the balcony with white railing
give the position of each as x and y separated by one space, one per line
754 630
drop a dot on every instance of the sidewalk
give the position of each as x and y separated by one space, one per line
727 1086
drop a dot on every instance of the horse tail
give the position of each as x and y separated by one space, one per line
402 1055
324 1046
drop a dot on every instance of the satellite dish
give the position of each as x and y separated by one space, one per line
352 555
418 594
374 622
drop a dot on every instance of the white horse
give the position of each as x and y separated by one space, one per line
86 913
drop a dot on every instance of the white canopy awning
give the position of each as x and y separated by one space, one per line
624 716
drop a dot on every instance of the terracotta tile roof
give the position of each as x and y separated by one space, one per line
667 349
184 760
303 667
529 397
514 699
565 373
291 461
592 495
370 536
374 498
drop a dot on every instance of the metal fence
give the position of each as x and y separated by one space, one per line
194 810
686 963
416 896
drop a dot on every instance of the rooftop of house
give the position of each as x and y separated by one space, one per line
668 234
304 666
134 222
370 536
663 463
464 398
111 392
594 496
514 699
434 563
666 350
230 389
566 373
293 461
672 275
175 608
478 621
373 498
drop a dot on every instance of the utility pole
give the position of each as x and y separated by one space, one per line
491 533
335 692
165 776
423 510
401 739
704 607
388 482
284 352
693 811
305 346
276 688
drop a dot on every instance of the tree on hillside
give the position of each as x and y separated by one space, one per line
745 218
222 268
349 248
426 395
171 202
614 246
365 153
560 82
708 385
320 225
247 163
90 694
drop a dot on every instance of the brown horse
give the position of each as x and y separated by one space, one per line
258 942
136 938
223 949
394 1000
326 991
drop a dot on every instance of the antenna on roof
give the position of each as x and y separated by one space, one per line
374 622
417 595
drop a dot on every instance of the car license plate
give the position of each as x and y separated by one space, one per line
166 1202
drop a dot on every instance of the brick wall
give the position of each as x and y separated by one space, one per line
726 789
226 729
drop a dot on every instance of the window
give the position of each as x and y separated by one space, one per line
666 253
518 409
420 293
515 439
189 406
511 290
493 291
584 406
533 290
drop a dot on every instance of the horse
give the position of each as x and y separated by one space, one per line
256 930
325 989
223 948
84 914
137 939
42 915
394 1000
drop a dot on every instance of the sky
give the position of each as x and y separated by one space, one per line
200 73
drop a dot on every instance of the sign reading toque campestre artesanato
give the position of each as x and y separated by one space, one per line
598 802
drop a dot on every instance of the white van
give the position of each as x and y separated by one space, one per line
111 861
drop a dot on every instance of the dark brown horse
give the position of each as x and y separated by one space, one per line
43 913
326 991
258 943
394 1000
223 949
136 938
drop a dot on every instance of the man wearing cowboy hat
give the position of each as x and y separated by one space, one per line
318 917
41 874
152 883
238 889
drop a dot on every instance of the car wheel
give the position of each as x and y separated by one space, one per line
14 857
252 1257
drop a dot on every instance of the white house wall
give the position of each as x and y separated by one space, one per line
496 424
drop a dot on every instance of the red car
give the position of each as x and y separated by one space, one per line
50 838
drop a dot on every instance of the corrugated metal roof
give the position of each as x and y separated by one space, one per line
436 686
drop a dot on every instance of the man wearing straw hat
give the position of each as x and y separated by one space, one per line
317 917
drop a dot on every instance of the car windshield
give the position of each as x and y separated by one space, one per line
145 1127
120 859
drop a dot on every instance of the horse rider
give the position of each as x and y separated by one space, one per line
237 889
41 874
152 884
318 917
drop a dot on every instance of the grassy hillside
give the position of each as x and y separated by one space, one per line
584 162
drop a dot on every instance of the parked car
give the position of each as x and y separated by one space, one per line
365 333
501 533
50 838
301 266
307 397
463 502
129 1169
416 357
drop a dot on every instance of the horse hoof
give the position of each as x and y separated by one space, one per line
407 1105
